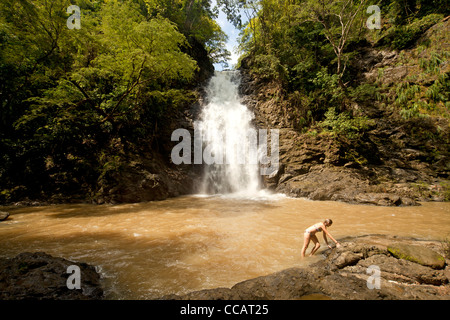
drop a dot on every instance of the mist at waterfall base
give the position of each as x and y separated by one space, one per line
225 126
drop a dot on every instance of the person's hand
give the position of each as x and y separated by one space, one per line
330 247
338 245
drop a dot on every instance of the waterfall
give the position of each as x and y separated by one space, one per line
226 129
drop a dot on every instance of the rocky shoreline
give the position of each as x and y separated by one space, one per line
409 269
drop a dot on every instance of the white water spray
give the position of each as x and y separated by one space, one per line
226 128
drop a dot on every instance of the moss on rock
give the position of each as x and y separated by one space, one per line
417 254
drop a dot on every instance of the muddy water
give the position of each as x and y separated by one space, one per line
147 250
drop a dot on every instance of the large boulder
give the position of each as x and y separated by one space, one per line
418 254
40 276
383 199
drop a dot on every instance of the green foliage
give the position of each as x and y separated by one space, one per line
434 63
353 156
195 20
344 124
404 36
366 92
329 85
439 90
76 102
267 67
402 12
405 93
302 45
415 101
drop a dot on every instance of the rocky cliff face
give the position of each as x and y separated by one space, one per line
388 165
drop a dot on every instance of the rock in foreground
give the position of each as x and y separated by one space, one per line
347 273
43 277
418 254
4 215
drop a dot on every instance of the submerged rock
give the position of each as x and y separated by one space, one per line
42 277
4 215
345 273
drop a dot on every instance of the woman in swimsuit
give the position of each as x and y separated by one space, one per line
310 234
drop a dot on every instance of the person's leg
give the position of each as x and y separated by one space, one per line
305 243
316 244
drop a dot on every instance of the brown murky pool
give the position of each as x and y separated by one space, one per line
147 250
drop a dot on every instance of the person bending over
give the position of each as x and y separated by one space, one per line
310 234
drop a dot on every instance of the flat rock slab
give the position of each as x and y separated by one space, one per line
417 254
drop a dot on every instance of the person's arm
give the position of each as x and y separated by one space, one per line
326 240
326 233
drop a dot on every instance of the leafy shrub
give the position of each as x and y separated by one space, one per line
329 84
267 67
405 35
344 124
414 101
366 92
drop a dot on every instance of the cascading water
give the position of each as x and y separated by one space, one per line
225 124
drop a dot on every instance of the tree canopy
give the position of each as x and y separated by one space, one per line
74 100
308 48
